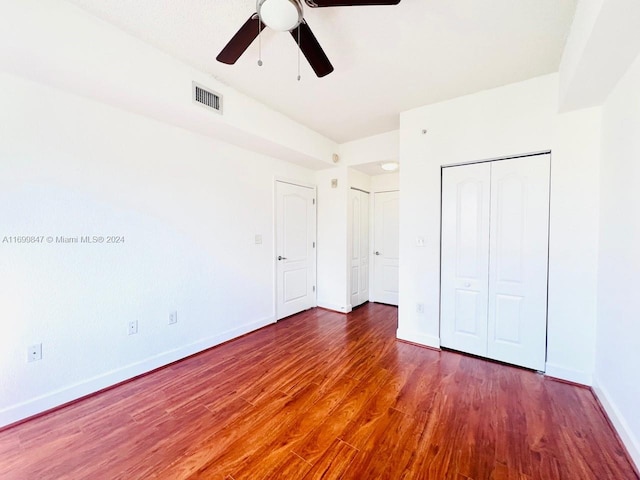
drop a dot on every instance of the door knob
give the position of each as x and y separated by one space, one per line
377 253
280 257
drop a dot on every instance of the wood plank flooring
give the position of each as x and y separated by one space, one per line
322 395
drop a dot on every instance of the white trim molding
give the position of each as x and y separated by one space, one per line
574 376
418 338
22 411
334 307
630 441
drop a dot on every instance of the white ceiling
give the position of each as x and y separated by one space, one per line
386 59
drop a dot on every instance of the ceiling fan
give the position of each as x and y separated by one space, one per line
286 16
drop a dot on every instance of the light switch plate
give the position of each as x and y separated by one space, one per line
34 352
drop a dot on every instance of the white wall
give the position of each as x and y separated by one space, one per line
188 207
573 245
515 119
332 239
618 345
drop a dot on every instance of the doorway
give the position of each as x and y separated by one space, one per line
295 230
359 246
386 247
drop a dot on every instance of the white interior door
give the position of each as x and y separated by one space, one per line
359 246
466 193
386 247
518 261
295 248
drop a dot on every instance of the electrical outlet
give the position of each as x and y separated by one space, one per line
419 307
34 352
133 327
173 317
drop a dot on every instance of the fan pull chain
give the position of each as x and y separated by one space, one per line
299 53
259 43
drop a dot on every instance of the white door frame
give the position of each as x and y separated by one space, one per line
274 254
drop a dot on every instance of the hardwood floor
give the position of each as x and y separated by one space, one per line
324 395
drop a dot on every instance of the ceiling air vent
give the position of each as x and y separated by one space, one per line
206 97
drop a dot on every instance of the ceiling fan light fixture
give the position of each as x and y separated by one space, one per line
389 166
280 15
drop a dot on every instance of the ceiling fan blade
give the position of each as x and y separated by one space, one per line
348 3
312 50
241 40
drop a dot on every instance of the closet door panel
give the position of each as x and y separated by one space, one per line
465 257
517 310
359 247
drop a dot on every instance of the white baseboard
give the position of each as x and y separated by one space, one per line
334 307
419 338
563 373
630 440
21 411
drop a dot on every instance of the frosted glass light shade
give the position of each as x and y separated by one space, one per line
280 15
390 166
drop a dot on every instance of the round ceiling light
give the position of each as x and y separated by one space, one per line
390 166
280 15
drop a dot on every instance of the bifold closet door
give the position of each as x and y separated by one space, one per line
495 229
518 261
466 194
